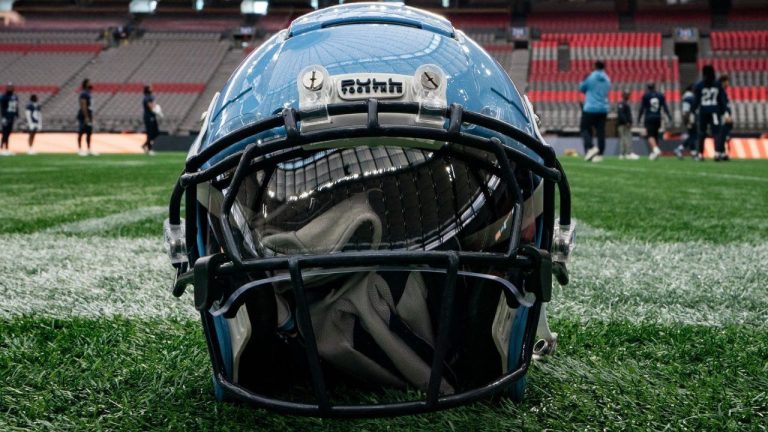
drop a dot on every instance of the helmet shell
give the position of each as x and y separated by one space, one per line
362 38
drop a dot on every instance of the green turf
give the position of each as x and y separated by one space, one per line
42 191
123 374
672 200
631 356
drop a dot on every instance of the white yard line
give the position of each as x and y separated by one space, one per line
706 174
57 275
96 225
691 283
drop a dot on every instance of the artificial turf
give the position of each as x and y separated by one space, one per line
662 327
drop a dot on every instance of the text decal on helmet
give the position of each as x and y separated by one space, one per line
378 85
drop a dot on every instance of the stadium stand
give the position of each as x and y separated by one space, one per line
94 23
742 55
52 64
188 27
26 36
479 21
748 19
739 41
664 21
574 22
273 23
188 56
41 66
631 60
191 123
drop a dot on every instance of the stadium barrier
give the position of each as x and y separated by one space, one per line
66 142
130 143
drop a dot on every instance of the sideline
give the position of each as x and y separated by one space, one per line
66 142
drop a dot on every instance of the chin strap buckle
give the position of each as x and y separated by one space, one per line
181 280
539 281
563 241
207 285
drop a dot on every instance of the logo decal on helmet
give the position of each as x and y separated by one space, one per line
361 87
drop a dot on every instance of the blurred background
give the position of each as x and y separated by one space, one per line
187 49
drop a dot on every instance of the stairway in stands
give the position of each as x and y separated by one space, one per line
191 123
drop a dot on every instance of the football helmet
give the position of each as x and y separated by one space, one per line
370 220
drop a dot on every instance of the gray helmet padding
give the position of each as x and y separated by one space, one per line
365 298
368 298
330 231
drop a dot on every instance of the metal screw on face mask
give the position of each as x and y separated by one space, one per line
312 80
430 80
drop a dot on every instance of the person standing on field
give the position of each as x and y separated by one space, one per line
712 103
9 110
595 88
151 110
624 122
34 121
689 120
651 106
85 119
725 131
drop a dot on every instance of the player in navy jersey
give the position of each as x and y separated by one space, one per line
689 120
34 121
711 102
150 120
85 119
9 110
725 131
651 106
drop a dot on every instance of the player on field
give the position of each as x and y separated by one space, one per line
725 130
651 106
624 123
712 103
689 120
151 110
85 119
9 110
595 88
34 121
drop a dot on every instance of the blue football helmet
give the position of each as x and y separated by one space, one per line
370 216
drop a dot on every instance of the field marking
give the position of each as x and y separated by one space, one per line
60 276
687 282
24 170
55 273
96 225
682 173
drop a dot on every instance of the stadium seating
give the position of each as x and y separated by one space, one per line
749 88
478 21
63 23
185 56
742 55
39 66
38 37
574 22
739 41
748 19
53 64
665 20
275 22
631 60
502 53
189 24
